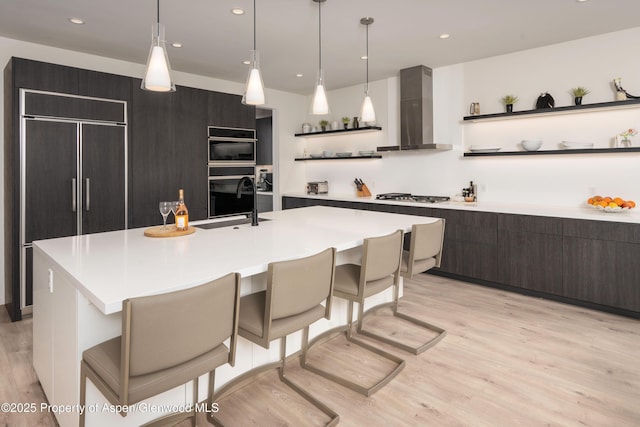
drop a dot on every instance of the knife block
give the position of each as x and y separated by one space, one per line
364 192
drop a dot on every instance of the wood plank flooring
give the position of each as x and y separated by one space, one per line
507 360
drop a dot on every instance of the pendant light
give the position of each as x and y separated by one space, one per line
254 88
319 104
157 76
367 114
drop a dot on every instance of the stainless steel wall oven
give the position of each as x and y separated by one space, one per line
232 156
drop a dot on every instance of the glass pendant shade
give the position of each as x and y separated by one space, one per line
157 76
367 113
254 88
319 104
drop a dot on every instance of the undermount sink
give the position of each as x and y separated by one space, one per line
232 222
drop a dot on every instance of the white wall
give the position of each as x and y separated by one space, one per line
562 180
289 109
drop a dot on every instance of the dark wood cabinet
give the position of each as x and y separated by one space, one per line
590 263
227 110
530 252
43 76
600 262
470 244
153 151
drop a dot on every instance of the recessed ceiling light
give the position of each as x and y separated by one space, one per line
237 11
246 62
363 57
445 36
299 75
178 45
77 21
582 1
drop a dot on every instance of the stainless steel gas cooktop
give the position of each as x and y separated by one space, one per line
408 197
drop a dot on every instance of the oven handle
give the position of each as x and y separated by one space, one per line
222 163
220 177
217 138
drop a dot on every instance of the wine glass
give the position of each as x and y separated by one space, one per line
165 209
174 207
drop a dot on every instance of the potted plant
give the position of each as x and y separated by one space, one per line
578 93
323 124
508 101
345 122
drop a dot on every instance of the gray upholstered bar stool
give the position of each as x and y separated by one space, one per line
167 340
296 290
380 270
425 252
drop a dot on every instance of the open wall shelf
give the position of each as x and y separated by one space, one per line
542 152
570 109
364 129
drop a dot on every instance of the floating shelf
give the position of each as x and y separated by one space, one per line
364 129
543 152
307 159
570 109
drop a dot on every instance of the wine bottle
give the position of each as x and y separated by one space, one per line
182 213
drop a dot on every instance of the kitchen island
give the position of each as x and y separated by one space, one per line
81 281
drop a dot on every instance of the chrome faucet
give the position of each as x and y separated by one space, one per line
254 212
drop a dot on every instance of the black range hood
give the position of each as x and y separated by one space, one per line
416 112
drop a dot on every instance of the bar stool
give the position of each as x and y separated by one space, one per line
425 252
425 248
292 301
380 270
167 340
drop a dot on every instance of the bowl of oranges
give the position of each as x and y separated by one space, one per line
611 204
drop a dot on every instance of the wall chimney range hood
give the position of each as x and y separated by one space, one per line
416 112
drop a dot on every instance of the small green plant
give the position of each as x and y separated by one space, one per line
346 120
323 123
579 91
509 99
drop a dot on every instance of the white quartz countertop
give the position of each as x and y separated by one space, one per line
577 212
109 267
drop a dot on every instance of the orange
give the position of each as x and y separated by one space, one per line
607 199
590 201
618 201
603 203
597 198
631 203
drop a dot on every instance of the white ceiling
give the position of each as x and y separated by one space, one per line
405 32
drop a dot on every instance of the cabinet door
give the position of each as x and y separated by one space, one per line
470 244
51 149
228 110
190 162
43 76
603 272
152 149
530 252
103 178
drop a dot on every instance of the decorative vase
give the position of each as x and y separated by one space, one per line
356 124
509 108
346 125
334 125
324 128
578 100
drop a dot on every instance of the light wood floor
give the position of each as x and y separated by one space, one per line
508 360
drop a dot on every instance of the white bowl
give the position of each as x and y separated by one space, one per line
327 153
531 145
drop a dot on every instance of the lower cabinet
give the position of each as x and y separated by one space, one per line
600 263
530 253
593 263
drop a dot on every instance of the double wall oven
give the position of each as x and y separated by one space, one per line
232 156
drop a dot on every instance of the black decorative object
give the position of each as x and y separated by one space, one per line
356 124
620 89
578 100
545 101
509 108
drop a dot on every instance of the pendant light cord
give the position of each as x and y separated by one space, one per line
319 35
254 24
158 17
367 59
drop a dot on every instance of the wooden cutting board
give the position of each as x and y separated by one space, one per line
170 231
